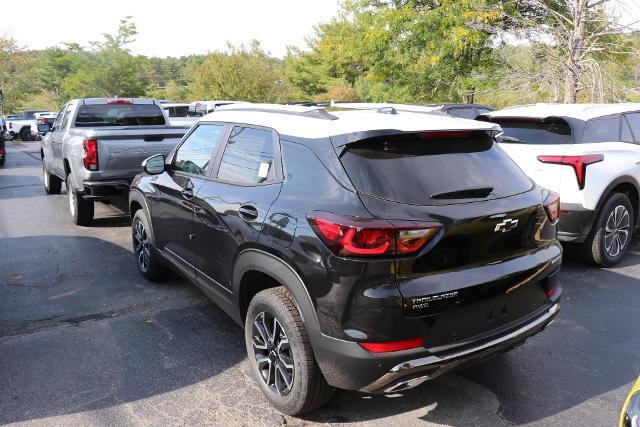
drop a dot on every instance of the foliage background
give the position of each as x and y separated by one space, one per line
505 52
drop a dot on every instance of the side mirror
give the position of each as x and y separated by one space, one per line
154 165
44 128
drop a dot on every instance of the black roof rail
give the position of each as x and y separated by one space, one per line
313 113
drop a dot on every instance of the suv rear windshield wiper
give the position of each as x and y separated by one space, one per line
468 193
505 138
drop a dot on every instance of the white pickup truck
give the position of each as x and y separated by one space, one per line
20 124
97 146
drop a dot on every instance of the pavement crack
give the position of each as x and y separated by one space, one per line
56 322
20 186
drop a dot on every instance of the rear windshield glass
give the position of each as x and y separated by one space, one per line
411 169
119 115
535 133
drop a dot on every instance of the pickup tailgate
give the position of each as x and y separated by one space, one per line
121 151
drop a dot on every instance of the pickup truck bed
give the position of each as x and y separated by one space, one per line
96 156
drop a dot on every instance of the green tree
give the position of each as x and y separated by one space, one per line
247 74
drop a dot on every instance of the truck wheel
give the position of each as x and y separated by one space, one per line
144 247
25 134
81 209
52 184
280 354
611 234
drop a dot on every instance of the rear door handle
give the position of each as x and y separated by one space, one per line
248 212
187 193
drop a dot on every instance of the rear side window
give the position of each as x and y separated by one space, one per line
533 132
411 169
248 157
601 130
96 115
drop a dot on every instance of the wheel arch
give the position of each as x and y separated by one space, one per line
623 184
255 263
137 202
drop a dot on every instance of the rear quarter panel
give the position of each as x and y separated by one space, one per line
619 160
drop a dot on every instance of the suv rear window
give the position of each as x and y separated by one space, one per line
119 115
411 169
527 132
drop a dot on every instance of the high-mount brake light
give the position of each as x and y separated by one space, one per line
552 206
445 134
119 101
386 347
578 163
90 159
364 237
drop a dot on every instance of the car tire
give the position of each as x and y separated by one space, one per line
52 184
275 334
81 210
25 134
612 232
144 248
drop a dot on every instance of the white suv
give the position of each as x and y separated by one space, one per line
590 154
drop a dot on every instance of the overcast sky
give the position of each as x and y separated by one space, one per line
169 28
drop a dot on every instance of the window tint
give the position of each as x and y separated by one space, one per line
119 115
634 122
194 155
463 112
526 132
248 157
625 132
601 130
411 169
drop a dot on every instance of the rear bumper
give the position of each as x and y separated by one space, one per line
416 371
106 190
347 365
575 223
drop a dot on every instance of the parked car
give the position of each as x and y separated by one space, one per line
588 153
464 111
46 118
360 250
201 108
176 109
630 416
96 146
178 113
19 125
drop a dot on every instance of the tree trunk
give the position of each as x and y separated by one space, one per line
573 68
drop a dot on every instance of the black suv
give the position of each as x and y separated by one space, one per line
361 250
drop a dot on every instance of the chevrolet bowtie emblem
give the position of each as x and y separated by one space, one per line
506 225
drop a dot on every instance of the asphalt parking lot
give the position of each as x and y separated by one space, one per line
85 340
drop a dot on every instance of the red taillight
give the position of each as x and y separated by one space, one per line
385 347
44 121
119 101
350 236
2 152
579 164
552 206
10 125
551 292
90 154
